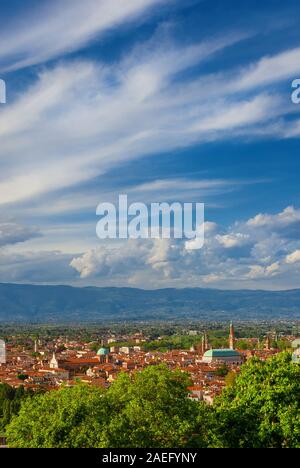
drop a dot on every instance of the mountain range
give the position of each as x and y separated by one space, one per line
65 304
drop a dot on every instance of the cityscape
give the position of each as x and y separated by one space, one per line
149 228
51 363
42 359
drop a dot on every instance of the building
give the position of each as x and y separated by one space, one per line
102 354
2 352
231 337
205 343
53 362
267 343
223 356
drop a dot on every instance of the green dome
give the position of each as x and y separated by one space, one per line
219 353
102 351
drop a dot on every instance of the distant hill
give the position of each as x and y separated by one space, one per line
41 304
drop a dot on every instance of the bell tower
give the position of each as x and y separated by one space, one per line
53 362
231 336
267 343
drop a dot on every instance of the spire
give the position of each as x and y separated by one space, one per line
231 336
54 362
268 343
204 345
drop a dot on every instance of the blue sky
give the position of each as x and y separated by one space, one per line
163 100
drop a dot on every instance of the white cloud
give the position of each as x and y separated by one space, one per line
62 26
240 114
81 119
258 271
154 263
69 127
13 233
270 70
111 261
233 240
293 257
36 267
288 216
170 262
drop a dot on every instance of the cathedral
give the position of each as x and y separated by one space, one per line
223 356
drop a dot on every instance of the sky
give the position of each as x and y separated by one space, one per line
162 100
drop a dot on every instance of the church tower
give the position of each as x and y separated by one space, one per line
205 344
2 352
268 343
53 362
231 336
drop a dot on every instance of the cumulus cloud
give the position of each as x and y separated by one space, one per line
233 240
36 267
258 271
79 119
288 216
171 262
294 257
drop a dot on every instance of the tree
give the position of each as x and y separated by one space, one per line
262 408
151 409
67 418
10 402
230 378
148 409
22 377
222 371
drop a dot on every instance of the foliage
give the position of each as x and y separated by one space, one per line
22 376
222 371
149 409
262 407
10 402
230 378
70 417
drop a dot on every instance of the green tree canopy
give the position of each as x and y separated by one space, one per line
67 418
151 409
148 409
10 402
262 406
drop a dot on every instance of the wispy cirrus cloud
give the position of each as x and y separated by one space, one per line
13 233
69 127
79 121
62 26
